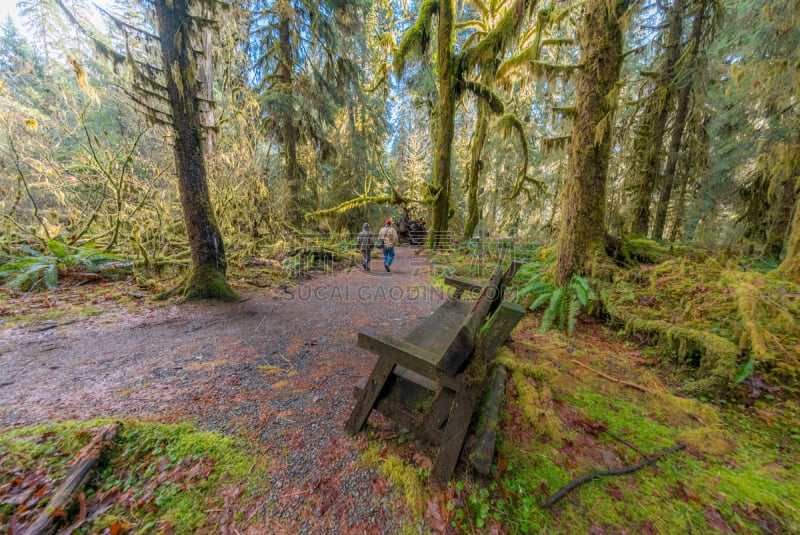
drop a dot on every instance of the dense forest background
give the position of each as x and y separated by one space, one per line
199 133
639 158
308 106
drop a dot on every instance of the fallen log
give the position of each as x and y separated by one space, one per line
76 476
594 474
483 453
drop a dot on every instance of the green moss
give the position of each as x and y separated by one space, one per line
177 471
401 474
203 282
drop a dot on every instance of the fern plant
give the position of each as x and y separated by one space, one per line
27 271
562 304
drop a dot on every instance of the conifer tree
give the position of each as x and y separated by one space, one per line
169 93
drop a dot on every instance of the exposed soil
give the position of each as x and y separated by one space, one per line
277 368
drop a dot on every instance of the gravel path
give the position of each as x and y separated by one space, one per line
278 368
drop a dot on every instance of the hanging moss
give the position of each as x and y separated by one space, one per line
416 40
484 92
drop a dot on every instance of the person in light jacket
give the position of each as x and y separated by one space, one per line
389 236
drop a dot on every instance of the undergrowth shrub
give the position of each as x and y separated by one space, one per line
32 268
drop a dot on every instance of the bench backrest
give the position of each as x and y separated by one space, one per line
462 345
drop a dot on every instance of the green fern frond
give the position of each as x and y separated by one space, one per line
551 314
58 249
574 310
540 300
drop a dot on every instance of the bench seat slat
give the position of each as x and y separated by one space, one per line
438 330
405 354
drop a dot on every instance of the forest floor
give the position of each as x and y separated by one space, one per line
277 370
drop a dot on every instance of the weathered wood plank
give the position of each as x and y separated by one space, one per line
403 390
454 433
437 331
482 454
364 405
462 285
438 413
463 344
497 330
406 354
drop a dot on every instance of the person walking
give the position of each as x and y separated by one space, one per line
389 237
364 243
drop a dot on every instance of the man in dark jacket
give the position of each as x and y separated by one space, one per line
364 243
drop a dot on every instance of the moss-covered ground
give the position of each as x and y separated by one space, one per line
153 478
569 410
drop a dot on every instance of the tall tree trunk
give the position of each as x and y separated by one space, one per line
790 267
656 112
442 158
205 77
679 125
475 168
582 231
207 278
294 182
783 218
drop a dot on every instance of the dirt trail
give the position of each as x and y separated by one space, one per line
278 368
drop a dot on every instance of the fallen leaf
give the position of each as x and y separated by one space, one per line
715 520
422 461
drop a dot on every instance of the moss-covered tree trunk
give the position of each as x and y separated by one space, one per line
207 278
655 123
776 234
790 267
582 231
679 124
475 168
442 158
294 182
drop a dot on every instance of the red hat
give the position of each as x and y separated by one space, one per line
388 221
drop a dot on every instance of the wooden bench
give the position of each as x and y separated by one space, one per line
420 381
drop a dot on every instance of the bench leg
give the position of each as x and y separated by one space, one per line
369 395
454 433
436 417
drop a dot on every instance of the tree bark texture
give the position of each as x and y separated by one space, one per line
790 267
582 231
475 167
177 57
444 140
782 219
655 123
679 125
293 176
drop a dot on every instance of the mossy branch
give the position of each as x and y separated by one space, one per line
394 198
485 93
416 40
509 125
549 144
497 41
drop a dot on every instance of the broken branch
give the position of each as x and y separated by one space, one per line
76 476
613 379
594 474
